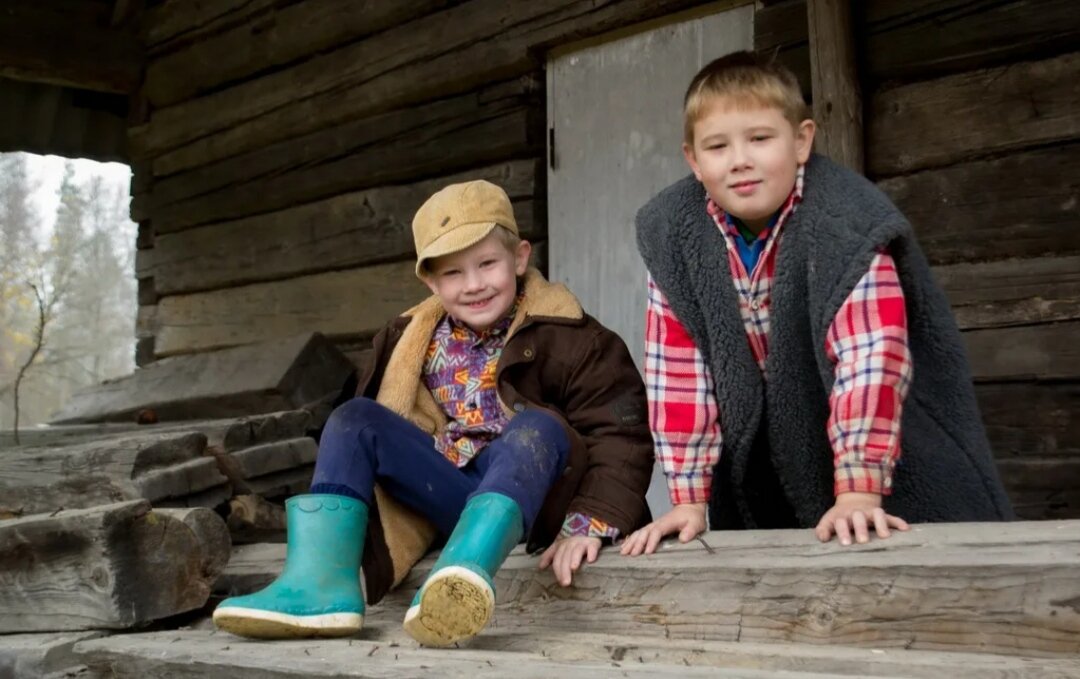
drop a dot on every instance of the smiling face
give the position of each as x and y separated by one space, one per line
478 285
747 158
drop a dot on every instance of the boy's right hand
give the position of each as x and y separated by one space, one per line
687 520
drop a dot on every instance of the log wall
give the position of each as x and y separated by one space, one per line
280 150
972 127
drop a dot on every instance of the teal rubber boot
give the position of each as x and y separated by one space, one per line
458 598
318 592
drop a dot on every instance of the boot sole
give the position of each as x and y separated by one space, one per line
258 624
455 604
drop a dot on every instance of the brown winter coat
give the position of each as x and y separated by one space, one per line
556 358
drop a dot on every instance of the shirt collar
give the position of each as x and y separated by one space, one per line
497 330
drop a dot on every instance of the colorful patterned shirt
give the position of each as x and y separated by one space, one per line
867 343
459 371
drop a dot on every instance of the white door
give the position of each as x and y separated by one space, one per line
615 130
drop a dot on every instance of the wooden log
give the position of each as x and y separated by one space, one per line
252 519
523 654
1042 352
1031 418
1019 205
272 40
1048 504
341 304
171 25
108 567
1013 292
297 167
1005 588
107 470
439 55
909 39
275 457
995 110
280 374
284 484
347 231
67 43
32 656
1046 488
835 82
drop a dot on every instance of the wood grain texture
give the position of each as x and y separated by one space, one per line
109 567
995 110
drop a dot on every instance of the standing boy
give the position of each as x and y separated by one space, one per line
803 368
495 410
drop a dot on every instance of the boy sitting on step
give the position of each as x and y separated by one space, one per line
494 411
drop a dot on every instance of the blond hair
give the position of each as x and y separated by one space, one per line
744 80
507 238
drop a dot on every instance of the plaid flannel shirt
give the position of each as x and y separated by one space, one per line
867 342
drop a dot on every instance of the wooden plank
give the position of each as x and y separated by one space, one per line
175 23
1043 488
339 304
284 373
1021 204
1031 418
280 485
574 653
439 55
109 469
252 519
1013 292
1003 109
31 656
67 43
908 39
498 132
1005 588
1046 504
108 567
835 82
281 35
276 456
346 231
1048 351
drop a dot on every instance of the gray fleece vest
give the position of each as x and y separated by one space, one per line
945 472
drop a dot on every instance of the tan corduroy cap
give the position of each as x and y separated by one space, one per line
458 216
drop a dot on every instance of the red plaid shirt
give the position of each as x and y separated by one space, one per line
867 343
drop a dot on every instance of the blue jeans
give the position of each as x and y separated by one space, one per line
365 443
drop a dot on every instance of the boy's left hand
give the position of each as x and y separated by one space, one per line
857 512
565 555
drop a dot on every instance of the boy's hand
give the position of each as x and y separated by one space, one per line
565 555
857 511
687 520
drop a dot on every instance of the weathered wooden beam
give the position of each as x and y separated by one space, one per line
531 655
50 119
1013 292
1031 419
1042 352
277 37
1016 205
106 470
442 54
351 230
835 82
470 131
30 656
171 25
996 110
109 567
917 39
1007 588
68 43
341 304
288 372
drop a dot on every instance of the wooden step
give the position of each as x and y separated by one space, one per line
524 654
1006 588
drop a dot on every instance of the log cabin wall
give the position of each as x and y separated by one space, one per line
281 148
972 126
285 147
